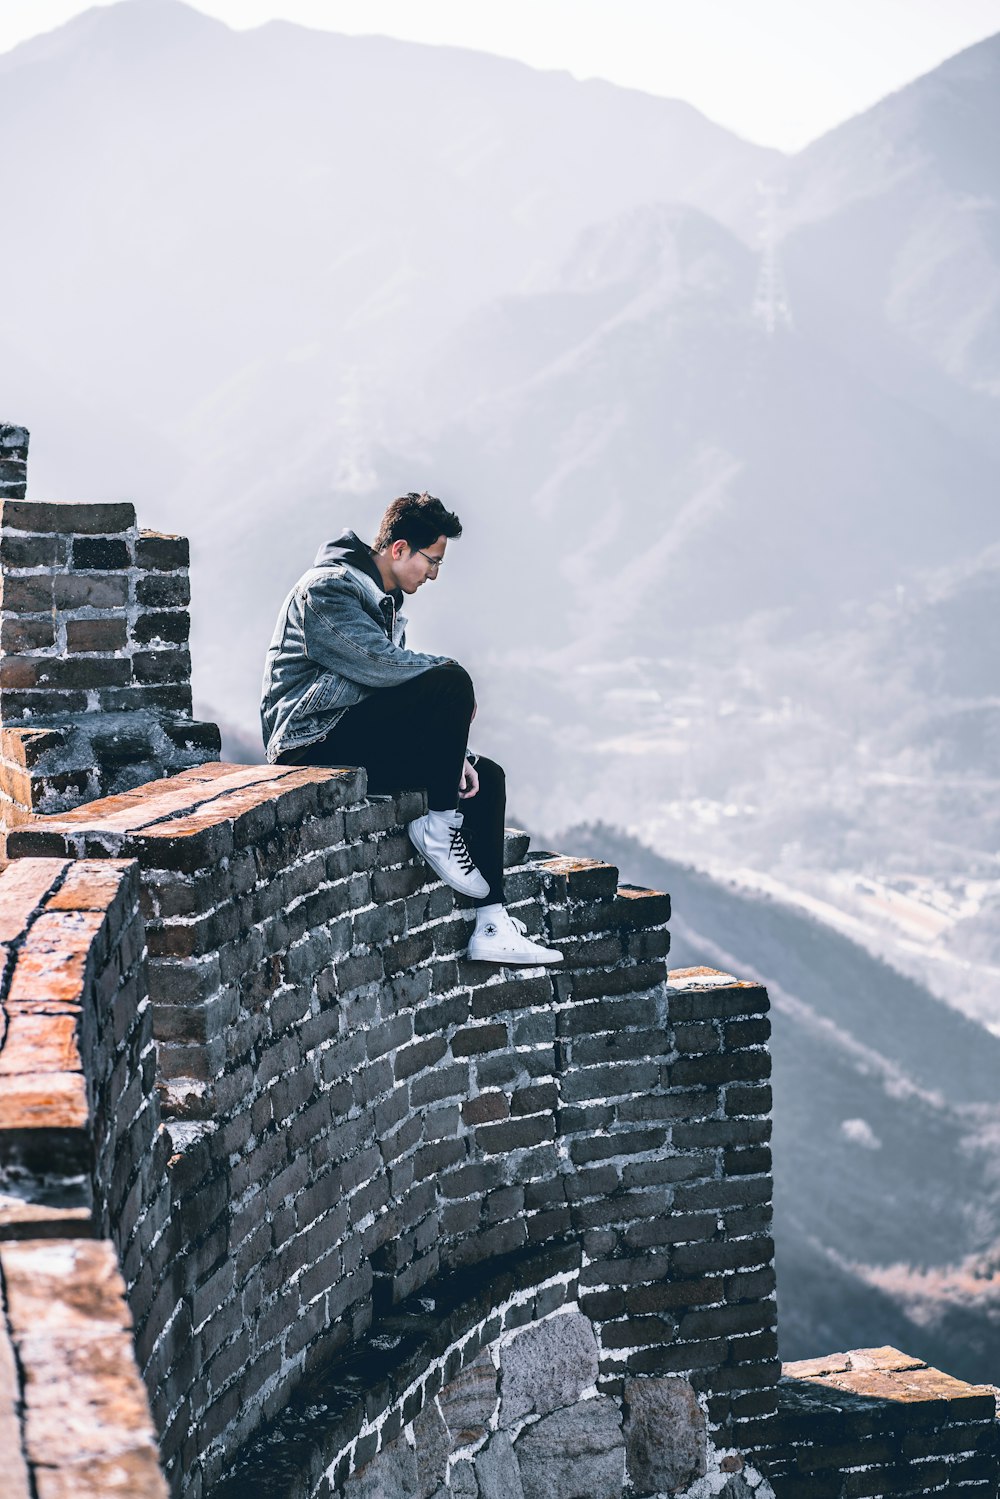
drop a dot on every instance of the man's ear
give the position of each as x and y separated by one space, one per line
397 549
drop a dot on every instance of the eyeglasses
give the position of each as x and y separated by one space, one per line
435 562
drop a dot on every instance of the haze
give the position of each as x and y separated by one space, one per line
775 71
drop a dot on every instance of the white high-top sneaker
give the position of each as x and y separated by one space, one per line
500 938
437 837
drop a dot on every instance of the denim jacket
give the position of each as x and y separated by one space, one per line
339 637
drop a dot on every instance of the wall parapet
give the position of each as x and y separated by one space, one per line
77 1153
357 1110
875 1421
95 672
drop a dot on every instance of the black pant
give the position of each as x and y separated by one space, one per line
413 736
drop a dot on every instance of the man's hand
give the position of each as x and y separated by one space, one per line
469 784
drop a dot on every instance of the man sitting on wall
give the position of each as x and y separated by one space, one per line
340 688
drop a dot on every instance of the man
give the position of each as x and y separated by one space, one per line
341 688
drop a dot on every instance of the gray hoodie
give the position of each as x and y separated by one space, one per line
339 637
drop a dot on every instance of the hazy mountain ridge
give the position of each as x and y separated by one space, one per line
887 1189
239 201
897 212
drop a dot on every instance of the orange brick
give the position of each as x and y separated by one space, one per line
52 961
40 1043
24 885
90 885
135 811
44 1100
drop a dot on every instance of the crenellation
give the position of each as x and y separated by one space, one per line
78 640
13 463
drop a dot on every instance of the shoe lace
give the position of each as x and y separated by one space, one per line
459 852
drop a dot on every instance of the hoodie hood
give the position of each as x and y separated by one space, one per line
350 549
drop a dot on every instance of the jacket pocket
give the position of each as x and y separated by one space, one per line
326 692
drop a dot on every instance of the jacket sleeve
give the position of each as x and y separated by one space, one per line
341 636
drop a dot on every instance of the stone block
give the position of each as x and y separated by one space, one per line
462 1482
432 1446
664 1434
469 1401
576 1453
547 1366
391 1474
497 1471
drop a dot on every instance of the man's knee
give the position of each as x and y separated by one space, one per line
452 681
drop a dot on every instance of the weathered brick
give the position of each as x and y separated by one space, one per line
96 634
26 634
166 591
52 516
157 551
99 553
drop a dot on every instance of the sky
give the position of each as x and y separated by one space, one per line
779 72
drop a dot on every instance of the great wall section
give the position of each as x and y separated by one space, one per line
296 1201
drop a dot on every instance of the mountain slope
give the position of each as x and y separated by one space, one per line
896 220
216 225
635 447
886 1128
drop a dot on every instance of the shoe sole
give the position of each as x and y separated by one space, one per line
509 960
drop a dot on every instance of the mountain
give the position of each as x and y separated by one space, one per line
217 228
887 1193
650 459
894 225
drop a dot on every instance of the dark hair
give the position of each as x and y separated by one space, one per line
417 519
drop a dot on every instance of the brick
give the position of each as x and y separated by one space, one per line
95 591
33 551
418 1056
164 666
515 1134
95 634
485 1107
513 994
168 591
103 554
156 551
49 516
477 1039
741 1066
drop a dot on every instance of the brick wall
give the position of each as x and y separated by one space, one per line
95 672
356 1110
77 1157
876 1422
